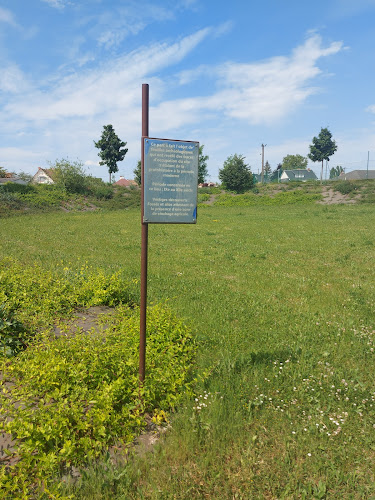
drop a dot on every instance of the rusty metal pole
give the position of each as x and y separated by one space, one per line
144 243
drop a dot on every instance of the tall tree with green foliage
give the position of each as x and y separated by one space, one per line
322 148
138 173
3 172
292 162
112 149
236 174
202 165
335 172
276 174
267 171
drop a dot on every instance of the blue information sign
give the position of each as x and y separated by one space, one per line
170 181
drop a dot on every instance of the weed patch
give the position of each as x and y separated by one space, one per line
65 400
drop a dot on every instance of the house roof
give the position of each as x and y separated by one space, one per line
299 174
48 171
15 180
125 183
357 175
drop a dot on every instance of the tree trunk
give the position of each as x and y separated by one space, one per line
321 174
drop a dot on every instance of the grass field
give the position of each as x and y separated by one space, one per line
281 299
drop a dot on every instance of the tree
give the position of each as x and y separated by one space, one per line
267 171
202 165
292 162
335 172
24 176
236 175
276 174
112 149
322 148
70 176
138 173
3 172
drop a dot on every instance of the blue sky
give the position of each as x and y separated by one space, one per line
231 75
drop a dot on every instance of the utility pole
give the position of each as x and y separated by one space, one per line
263 146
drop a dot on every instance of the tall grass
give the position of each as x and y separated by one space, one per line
282 303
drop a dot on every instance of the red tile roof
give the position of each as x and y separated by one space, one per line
125 183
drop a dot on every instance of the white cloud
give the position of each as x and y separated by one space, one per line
15 159
269 90
371 108
259 93
57 4
6 16
65 113
12 80
116 24
108 88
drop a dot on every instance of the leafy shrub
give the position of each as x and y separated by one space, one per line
45 196
37 297
236 174
104 192
203 197
345 187
123 198
70 176
12 333
81 394
9 201
11 187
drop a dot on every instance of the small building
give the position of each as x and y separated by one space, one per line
299 174
356 175
43 176
125 182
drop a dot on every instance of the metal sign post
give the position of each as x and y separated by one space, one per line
144 242
169 196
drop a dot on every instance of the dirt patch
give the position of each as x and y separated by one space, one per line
86 321
332 197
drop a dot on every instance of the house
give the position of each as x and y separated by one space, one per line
299 174
15 180
207 184
125 182
356 175
43 176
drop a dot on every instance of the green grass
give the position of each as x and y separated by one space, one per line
281 299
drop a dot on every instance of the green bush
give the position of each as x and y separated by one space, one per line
12 333
70 176
36 298
11 187
9 201
345 187
45 196
81 394
203 197
101 192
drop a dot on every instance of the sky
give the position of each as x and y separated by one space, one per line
231 75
